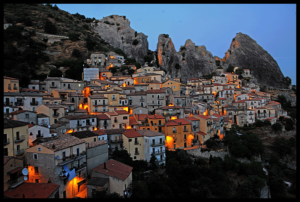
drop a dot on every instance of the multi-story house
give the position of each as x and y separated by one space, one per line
174 85
241 104
242 97
170 112
15 138
91 136
97 104
262 113
241 119
195 127
80 122
154 77
115 140
142 79
61 161
141 87
52 83
60 93
138 110
24 115
154 85
154 123
118 119
154 144
253 103
37 131
133 142
54 111
118 174
178 134
128 89
137 98
12 168
246 73
70 84
43 119
103 121
60 127
10 84
97 153
103 83
206 125
250 116
96 59
220 79
104 75
155 99
51 100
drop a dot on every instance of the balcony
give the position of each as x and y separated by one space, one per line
174 131
56 115
136 153
20 139
161 98
209 123
185 130
63 97
39 135
19 103
78 125
117 141
80 167
136 142
8 104
15 183
158 152
161 159
116 121
6 142
15 88
157 144
34 103
142 100
18 152
53 86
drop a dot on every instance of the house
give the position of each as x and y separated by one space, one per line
154 144
60 127
174 85
138 98
61 161
155 99
80 122
206 124
12 168
90 136
52 83
96 59
97 104
138 110
72 85
51 100
97 153
170 112
97 184
178 134
54 111
103 121
104 75
33 190
60 93
118 119
141 86
24 115
115 140
272 120
119 175
37 131
156 123
10 84
133 142
16 138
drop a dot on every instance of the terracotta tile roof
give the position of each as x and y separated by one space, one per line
141 117
171 123
94 144
182 121
192 119
96 96
156 117
132 121
137 93
102 117
99 132
32 190
74 117
8 123
200 133
222 98
121 112
203 116
240 101
217 115
114 169
19 112
11 78
150 133
114 131
64 141
226 119
84 134
155 91
130 133
111 113
30 125
172 107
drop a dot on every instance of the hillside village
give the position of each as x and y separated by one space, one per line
66 138
81 123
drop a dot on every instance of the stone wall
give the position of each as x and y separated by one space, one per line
96 156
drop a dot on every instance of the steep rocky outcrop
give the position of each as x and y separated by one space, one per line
244 52
193 61
117 32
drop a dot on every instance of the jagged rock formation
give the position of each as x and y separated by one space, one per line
244 52
117 32
193 61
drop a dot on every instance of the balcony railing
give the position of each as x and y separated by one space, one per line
209 123
157 144
174 131
19 103
40 135
185 130
116 120
20 139
8 104
80 167
136 153
161 159
6 142
15 88
56 115
15 183
158 152
142 100
18 152
53 86
34 103
136 142
117 141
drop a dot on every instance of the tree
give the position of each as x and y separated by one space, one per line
55 73
103 194
138 65
217 63
288 80
289 124
90 44
135 42
267 123
259 123
153 162
277 127
27 21
230 68
113 69
282 146
211 143
50 28
239 71
130 71
76 53
122 156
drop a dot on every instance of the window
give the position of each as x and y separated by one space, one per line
63 154
77 151
94 139
36 170
39 149
35 156
36 180
27 116
125 118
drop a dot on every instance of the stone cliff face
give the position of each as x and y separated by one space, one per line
194 60
244 52
117 32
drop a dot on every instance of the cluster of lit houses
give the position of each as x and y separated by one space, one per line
63 131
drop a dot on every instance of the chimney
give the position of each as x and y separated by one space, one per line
105 165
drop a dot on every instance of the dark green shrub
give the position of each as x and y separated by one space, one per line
230 68
289 124
85 26
138 65
182 48
50 15
259 123
217 63
135 34
106 22
27 21
76 53
9 19
73 36
50 28
277 127
267 123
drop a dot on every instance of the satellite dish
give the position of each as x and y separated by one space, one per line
48 126
57 157
25 171
25 178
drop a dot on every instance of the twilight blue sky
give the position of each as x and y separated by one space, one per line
272 26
